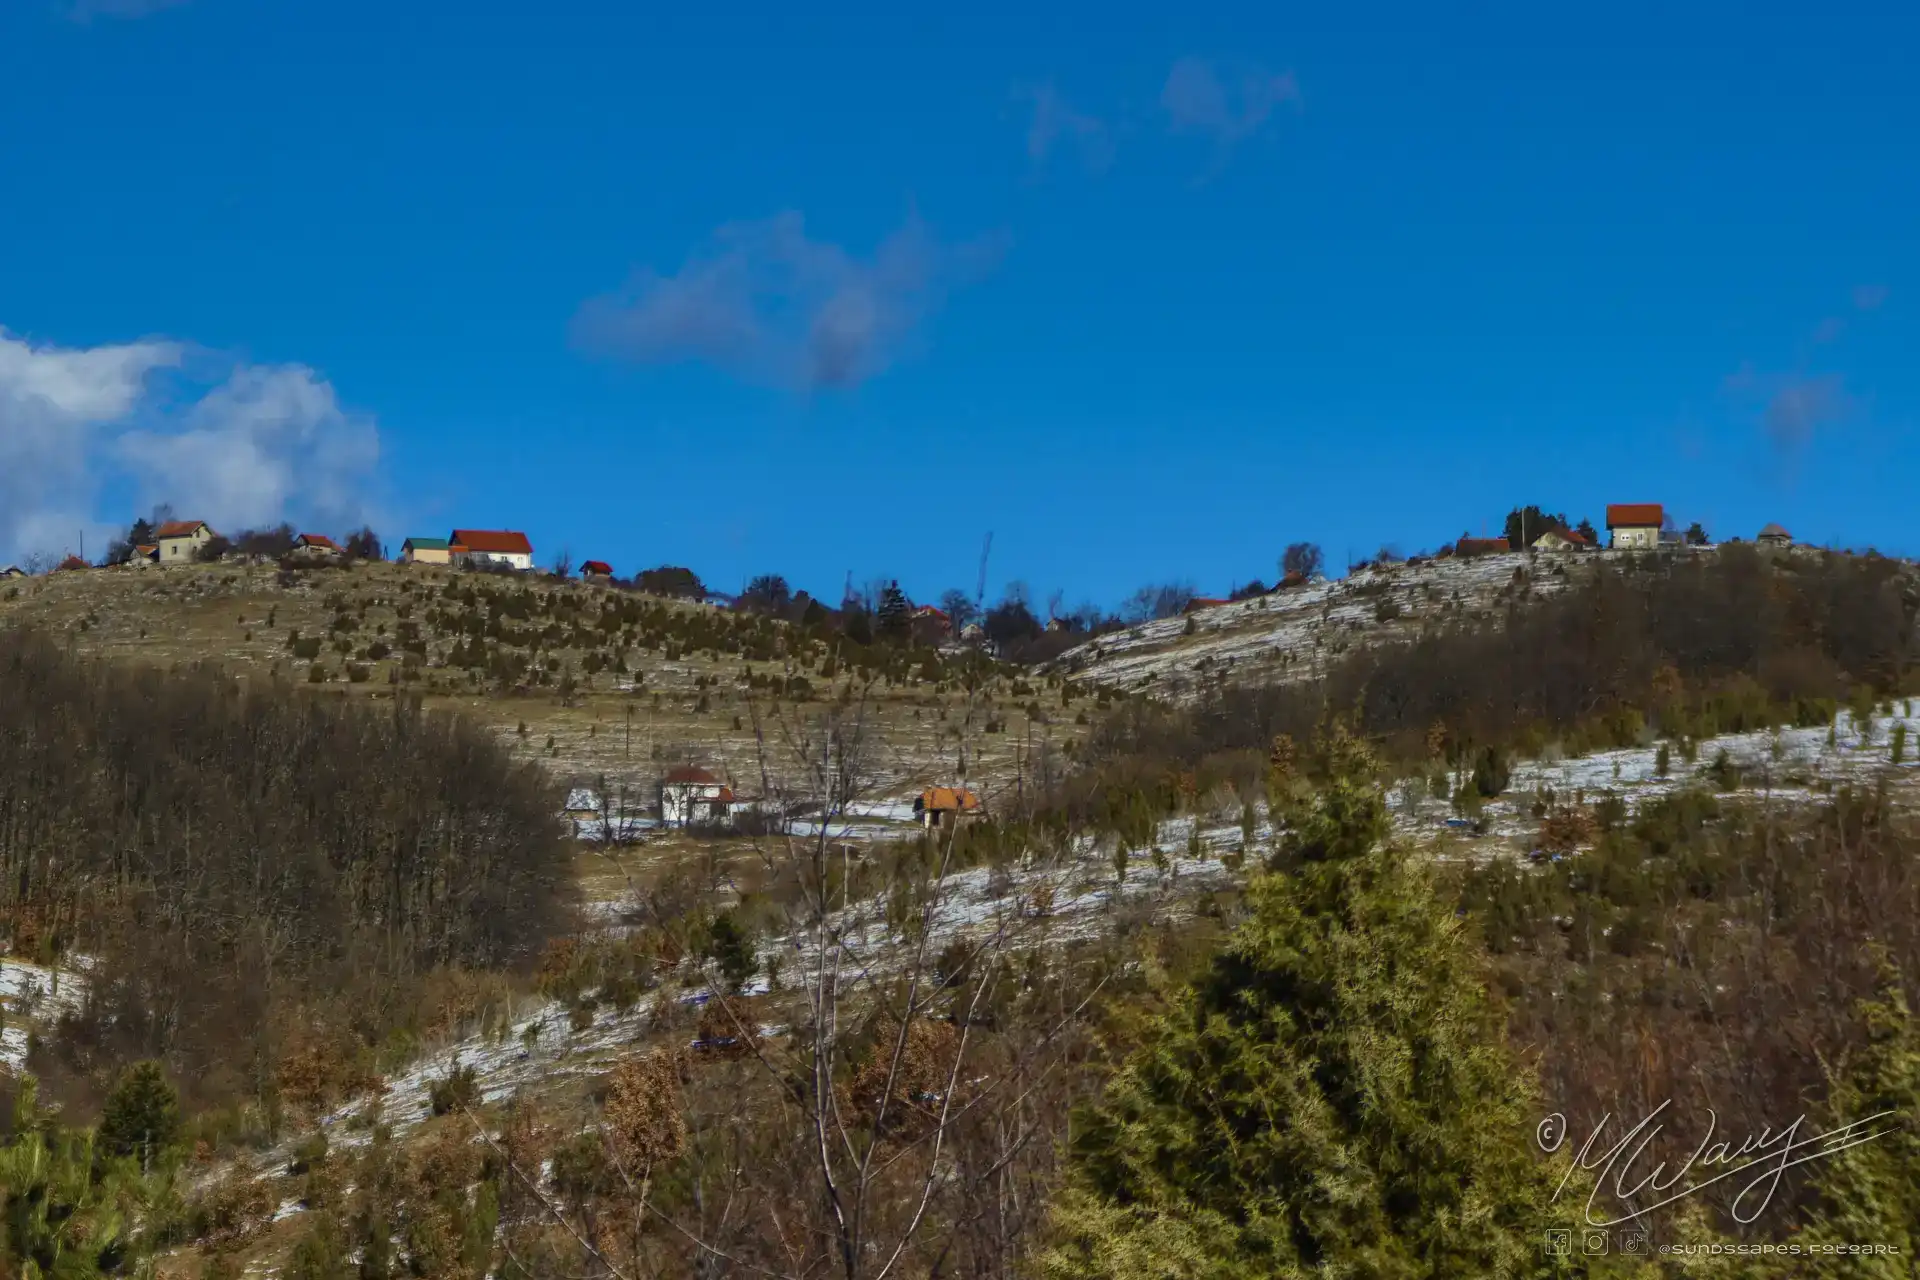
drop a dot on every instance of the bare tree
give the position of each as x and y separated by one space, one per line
1302 558
891 1119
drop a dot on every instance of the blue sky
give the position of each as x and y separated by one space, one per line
768 290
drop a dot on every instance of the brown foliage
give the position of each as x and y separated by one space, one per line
899 1088
729 1026
1567 829
644 1110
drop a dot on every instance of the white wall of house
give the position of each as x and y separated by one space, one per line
684 802
520 560
184 549
1636 537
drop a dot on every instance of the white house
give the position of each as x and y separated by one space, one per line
1561 540
316 547
501 546
1635 526
179 541
691 794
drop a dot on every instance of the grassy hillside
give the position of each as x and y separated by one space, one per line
587 679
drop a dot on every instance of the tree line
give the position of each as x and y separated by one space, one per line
251 871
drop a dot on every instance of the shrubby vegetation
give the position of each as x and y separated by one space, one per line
1684 649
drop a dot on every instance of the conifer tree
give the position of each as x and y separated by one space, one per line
1331 1098
142 1115
1870 1192
896 615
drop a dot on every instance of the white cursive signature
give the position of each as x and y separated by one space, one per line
1767 1156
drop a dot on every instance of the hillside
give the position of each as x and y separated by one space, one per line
1293 634
590 680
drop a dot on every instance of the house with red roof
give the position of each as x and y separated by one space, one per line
316 546
1635 526
1562 540
507 547
691 794
179 541
596 571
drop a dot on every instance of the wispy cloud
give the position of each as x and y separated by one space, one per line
1799 407
88 10
1057 123
1227 105
766 302
249 445
1793 408
1869 297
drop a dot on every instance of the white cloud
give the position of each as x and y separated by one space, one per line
268 443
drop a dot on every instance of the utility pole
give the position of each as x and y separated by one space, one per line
980 589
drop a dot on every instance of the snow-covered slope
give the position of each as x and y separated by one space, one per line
1293 634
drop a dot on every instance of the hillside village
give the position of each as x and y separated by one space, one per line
669 725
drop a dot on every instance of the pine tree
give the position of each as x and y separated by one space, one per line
1331 1098
142 1115
1870 1193
896 615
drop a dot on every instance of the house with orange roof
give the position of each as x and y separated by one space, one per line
942 806
508 547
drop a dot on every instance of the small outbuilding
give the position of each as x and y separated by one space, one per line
1774 536
942 806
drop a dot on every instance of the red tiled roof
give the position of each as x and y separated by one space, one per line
1204 602
179 528
1480 546
1635 515
74 562
596 566
493 542
928 611
691 773
320 540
